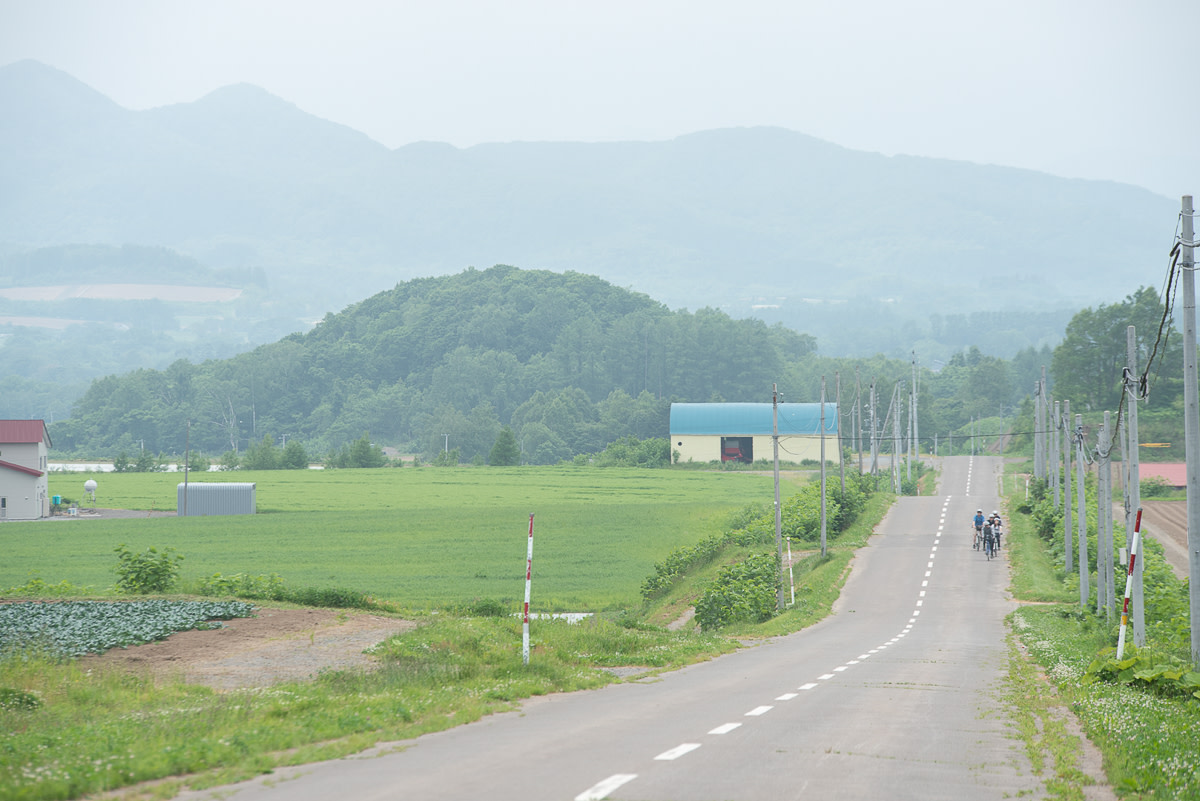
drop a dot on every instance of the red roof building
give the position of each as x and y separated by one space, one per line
24 485
1174 473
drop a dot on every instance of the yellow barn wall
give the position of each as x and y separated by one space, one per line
707 448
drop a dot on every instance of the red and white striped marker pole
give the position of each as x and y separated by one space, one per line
1137 530
528 582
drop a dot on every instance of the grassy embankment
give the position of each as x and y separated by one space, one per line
600 532
1148 740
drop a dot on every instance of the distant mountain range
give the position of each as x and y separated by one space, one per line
867 253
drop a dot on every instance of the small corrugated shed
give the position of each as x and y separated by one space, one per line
751 419
216 498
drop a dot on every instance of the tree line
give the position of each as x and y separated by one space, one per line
568 362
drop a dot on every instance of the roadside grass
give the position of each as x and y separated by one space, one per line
96 730
1035 576
1148 741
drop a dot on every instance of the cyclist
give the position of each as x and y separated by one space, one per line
979 521
996 528
989 540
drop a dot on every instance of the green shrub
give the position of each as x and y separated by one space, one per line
488 607
746 592
678 562
333 597
241 585
1155 487
38 588
147 572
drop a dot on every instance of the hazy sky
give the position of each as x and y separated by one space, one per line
1096 89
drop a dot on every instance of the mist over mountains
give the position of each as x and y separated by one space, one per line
865 252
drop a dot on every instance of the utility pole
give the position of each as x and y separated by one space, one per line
1082 503
837 378
1067 533
874 438
908 450
916 422
1054 427
822 468
1104 534
1135 490
1038 427
1044 430
896 438
778 508
858 417
1191 420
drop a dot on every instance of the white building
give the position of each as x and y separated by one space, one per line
24 487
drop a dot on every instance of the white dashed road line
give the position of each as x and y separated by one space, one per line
677 751
602 789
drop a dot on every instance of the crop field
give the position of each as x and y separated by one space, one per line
421 538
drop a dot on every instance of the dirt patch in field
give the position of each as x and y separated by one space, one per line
276 645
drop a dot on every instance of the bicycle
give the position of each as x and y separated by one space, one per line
989 546
978 538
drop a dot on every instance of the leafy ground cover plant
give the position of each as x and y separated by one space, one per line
74 628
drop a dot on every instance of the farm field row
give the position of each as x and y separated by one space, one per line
420 538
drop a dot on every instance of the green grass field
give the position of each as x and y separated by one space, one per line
420 538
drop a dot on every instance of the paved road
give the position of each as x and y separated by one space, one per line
894 696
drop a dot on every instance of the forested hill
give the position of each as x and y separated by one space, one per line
569 360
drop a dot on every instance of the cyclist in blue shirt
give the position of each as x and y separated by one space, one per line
979 520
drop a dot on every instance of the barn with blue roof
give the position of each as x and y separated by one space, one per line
741 432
